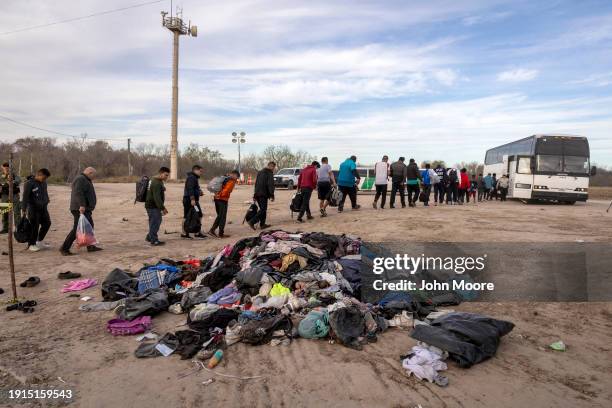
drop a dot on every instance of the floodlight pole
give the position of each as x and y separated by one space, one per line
178 28
239 139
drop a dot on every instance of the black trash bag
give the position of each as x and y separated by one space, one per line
348 324
219 277
251 212
296 203
193 221
469 338
150 303
221 318
195 296
119 284
257 332
23 231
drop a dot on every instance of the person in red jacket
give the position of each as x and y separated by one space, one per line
307 181
221 203
464 185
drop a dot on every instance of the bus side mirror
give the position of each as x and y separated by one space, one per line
593 170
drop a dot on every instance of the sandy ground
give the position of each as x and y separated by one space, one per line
60 347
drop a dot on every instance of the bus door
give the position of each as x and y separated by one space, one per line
521 180
511 175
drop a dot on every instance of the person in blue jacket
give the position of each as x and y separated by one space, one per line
426 180
347 179
488 185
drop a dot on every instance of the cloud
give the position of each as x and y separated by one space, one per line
517 75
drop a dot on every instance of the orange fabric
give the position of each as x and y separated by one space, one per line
226 190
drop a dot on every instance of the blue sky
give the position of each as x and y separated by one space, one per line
423 79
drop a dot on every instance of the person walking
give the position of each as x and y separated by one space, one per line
221 204
494 187
398 172
452 188
307 182
473 189
155 205
347 177
191 197
4 197
464 185
480 186
82 202
34 207
264 191
326 180
440 187
413 177
488 185
502 184
381 178
427 176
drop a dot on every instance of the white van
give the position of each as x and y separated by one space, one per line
287 177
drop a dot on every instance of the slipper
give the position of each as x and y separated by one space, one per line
68 275
29 303
30 282
14 306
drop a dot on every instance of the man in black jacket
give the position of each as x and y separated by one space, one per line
398 181
413 176
82 201
264 191
34 206
191 197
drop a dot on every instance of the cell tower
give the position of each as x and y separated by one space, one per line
176 25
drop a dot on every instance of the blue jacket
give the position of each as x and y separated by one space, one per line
488 181
192 186
425 175
346 175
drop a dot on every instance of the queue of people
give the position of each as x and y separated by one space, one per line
449 185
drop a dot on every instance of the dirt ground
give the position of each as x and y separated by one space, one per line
61 347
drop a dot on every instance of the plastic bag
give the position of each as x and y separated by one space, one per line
85 234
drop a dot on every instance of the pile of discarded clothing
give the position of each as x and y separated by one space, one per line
273 288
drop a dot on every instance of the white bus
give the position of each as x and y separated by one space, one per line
544 167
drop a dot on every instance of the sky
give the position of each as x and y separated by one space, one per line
425 79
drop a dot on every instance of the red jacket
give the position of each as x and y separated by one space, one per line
464 183
226 190
308 177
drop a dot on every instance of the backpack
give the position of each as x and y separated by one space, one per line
23 231
193 221
334 197
251 212
141 190
216 184
296 203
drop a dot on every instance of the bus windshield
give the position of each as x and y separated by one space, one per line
576 164
562 164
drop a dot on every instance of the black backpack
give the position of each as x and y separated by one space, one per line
23 231
251 212
296 203
141 189
193 222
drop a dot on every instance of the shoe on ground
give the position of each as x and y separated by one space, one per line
356 207
213 233
94 248
42 245
157 243
66 252
68 275
186 236
374 205
300 220
33 248
310 217
147 239
252 226
30 282
200 235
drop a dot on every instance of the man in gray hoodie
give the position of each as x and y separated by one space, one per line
398 174
82 201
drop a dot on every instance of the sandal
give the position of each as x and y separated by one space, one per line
30 282
68 275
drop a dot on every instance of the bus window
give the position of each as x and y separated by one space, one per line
576 164
550 162
524 165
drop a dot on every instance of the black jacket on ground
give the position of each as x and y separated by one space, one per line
264 184
35 194
83 194
192 186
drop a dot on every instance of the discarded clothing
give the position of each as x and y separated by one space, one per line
469 338
348 325
195 296
78 285
289 259
150 304
100 306
425 361
219 318
153 277
227 295
315 325
220 276
279 290
118 284
118 327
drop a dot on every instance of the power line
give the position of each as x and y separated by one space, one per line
70 20
51 131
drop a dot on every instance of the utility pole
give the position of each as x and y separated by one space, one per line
178 28
129 157
11 222
239 139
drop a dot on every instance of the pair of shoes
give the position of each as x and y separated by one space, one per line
68 275
213 233
200 235
25 307
374 205
157 243
264 226
186 236
94 248
30 282
33 248
66 252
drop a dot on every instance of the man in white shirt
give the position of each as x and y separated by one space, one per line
326 180
381 171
